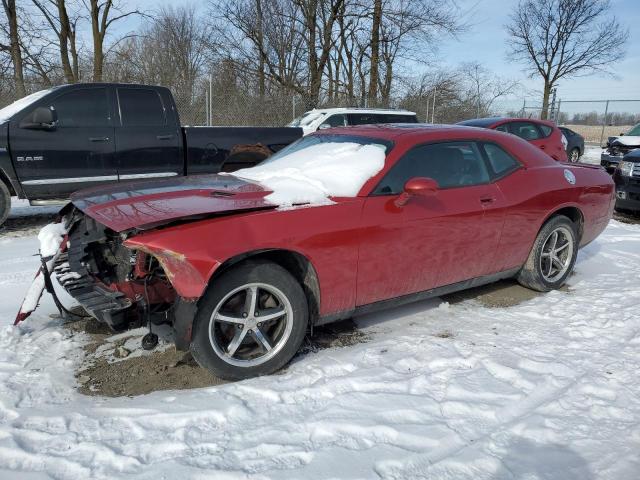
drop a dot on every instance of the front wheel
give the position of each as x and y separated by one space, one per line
552 257
251 321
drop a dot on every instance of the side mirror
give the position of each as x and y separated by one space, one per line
622 134
324 126
417 187
42 118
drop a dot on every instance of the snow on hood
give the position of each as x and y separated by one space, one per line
628 141
313 174
50 237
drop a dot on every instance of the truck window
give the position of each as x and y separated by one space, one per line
73 112
140 108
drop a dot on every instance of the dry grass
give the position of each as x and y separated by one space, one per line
591 133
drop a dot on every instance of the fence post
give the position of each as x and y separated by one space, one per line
210 100
433 107
604 121
524 106
558 110
206 106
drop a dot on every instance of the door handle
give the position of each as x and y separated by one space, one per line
98 139
486 200
542 147
164 137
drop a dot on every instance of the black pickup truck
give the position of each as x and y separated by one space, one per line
60 140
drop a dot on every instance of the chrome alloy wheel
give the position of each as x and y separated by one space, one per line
557 253
250 325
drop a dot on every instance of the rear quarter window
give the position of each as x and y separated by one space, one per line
546 130
500 161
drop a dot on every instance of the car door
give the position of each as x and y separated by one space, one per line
148 143
430 241
76 152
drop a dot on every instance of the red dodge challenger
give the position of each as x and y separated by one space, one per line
339 223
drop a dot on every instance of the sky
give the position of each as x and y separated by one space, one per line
486 41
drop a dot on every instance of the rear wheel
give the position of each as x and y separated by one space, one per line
250 322
552 257
574 155
5 202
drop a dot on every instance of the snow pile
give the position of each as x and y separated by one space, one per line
547 389
313 174
50 237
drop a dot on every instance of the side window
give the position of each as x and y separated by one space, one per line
83 108
525 130
546 130
391 118
140 108
452 164
503 128
500 161
336 121
362 119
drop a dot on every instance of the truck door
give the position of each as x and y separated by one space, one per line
74 153
148 140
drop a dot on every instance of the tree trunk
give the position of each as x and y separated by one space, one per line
98 37
260 35
64 41
544 113
375 52
14 47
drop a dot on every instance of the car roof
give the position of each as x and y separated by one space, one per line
490 122
386 111
428 131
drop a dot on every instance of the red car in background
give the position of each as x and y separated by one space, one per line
541 133
241 280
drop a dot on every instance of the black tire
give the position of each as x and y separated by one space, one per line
5 202
574 155
269 274
531 274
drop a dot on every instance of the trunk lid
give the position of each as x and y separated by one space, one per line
148 204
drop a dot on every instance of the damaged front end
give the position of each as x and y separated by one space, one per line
120 286
616 149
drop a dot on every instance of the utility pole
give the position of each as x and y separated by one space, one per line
552 115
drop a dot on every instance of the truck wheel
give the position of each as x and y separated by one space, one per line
250 322
552 257
5 202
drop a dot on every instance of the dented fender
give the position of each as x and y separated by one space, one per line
188 273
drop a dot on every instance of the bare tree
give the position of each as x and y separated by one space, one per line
14 46
64 27
564 38
483 88
103 14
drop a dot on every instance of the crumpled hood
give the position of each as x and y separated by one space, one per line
151 203
627 141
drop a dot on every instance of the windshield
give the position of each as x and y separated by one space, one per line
305 119
10 110
635 131
312 140
318 167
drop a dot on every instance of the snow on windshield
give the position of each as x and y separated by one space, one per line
313 174
10 110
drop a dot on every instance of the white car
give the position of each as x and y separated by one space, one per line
318 119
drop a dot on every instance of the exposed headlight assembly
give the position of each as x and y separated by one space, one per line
626 168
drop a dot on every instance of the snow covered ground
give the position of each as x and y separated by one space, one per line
591 154
547 389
